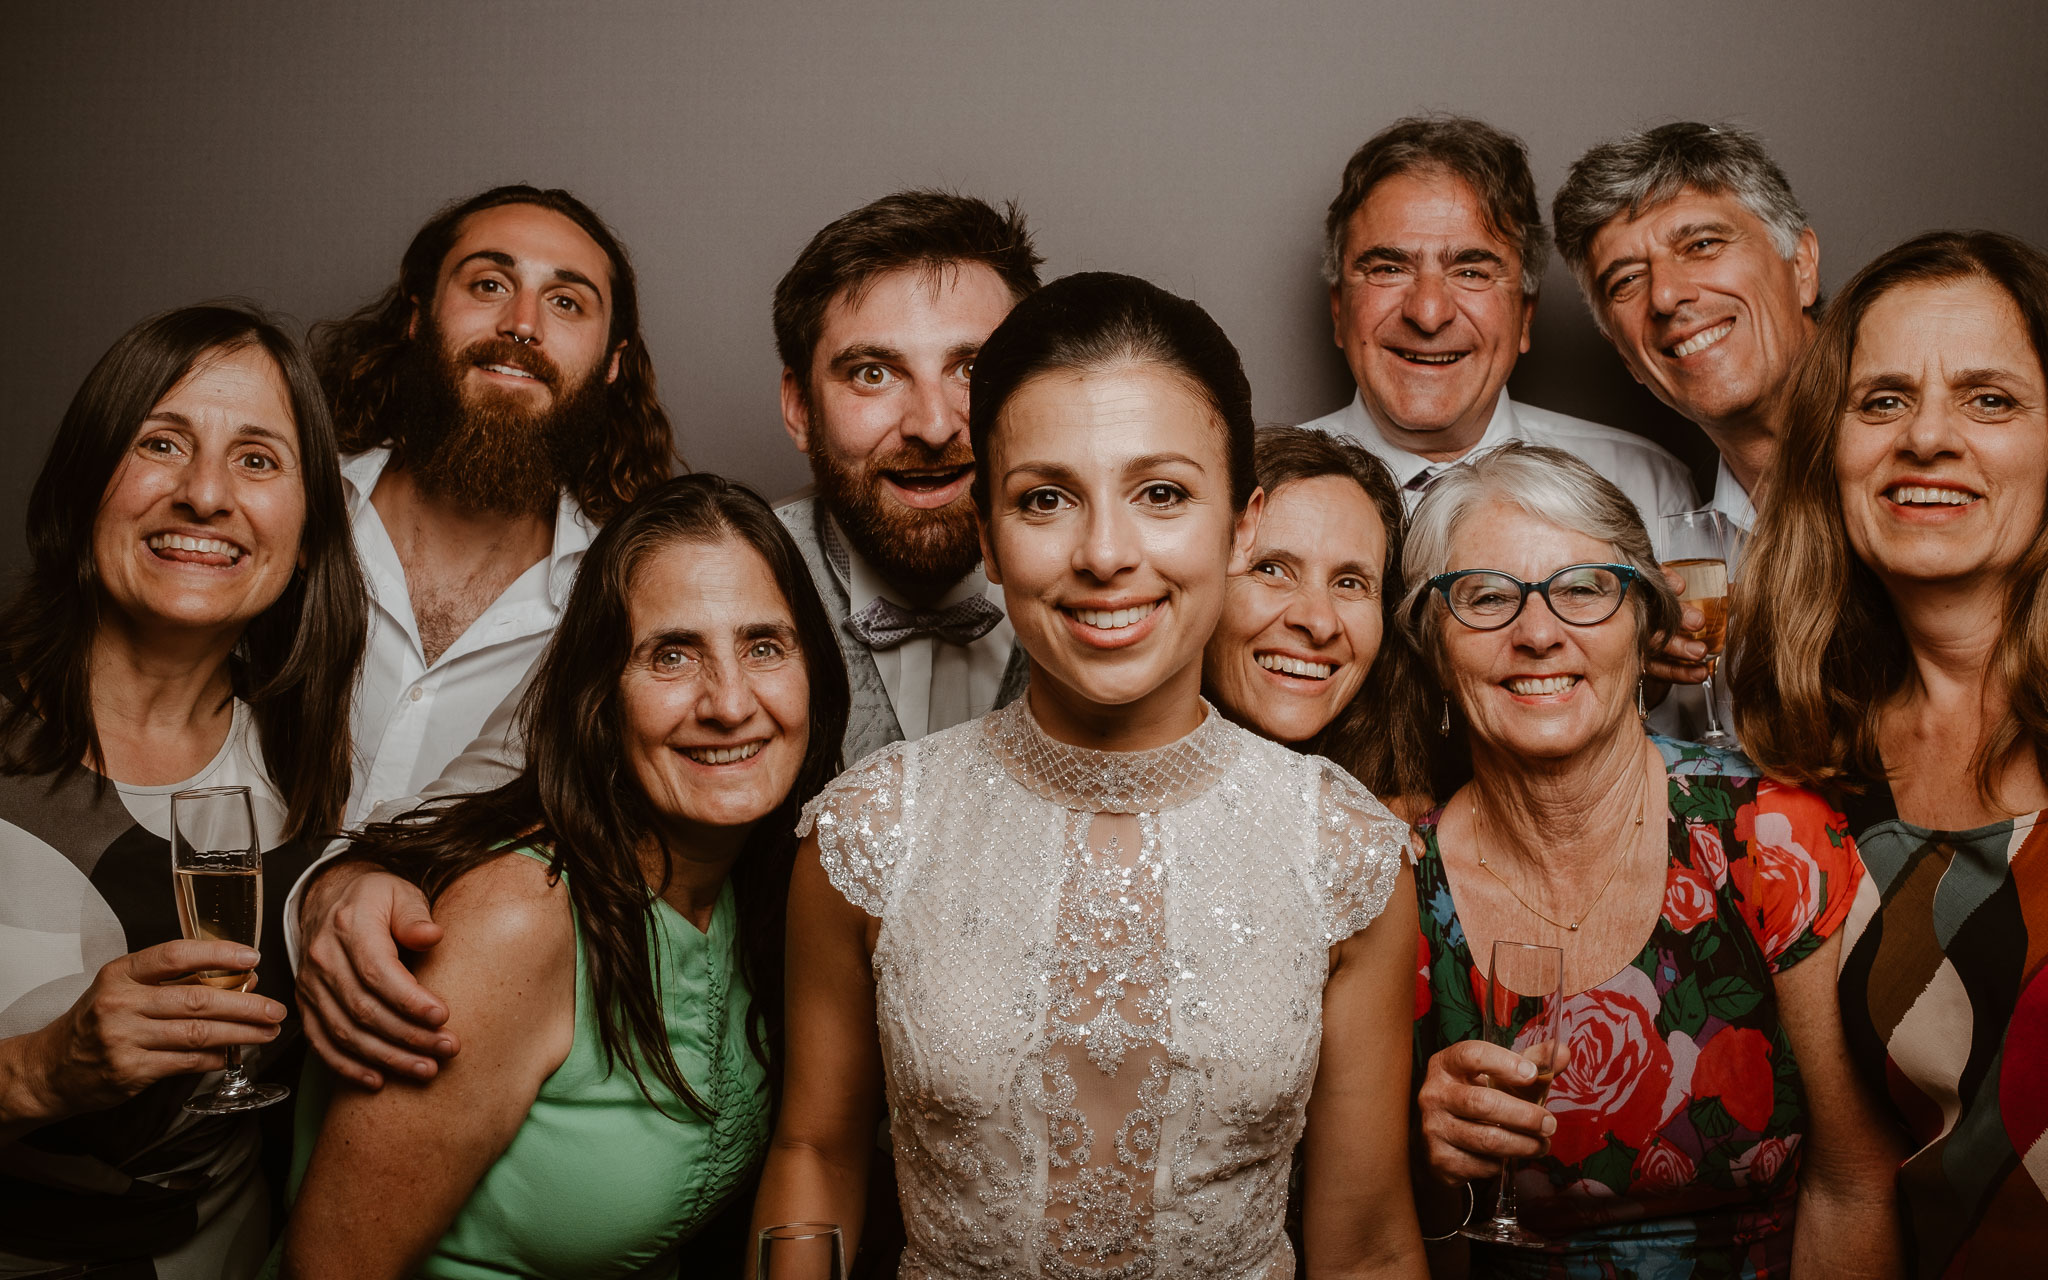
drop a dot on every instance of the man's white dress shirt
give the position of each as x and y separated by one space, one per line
422 730
412 718
1732 500
1656 482
1653 479
933 684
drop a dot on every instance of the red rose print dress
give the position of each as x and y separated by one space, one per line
1680 1115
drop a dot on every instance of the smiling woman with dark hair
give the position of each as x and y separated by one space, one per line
1307 651
193 617
614 925
1111 956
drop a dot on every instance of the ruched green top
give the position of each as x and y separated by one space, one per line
597 1182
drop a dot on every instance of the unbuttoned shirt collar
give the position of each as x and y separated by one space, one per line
411 718
1732 500
573 530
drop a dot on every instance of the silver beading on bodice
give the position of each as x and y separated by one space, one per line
1098 984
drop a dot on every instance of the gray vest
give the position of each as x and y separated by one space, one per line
871 724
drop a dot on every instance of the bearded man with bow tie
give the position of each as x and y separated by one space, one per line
878 324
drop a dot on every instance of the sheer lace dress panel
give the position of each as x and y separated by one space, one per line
1099 986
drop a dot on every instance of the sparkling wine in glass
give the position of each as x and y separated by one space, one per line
1524 1012
1698 547
217 869
801 1251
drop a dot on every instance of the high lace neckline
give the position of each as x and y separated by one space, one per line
1093 781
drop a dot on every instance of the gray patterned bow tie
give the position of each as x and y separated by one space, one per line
884 624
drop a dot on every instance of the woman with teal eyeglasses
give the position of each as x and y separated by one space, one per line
613 916
1706 1123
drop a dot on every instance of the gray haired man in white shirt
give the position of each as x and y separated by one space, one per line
1700 267
1434 252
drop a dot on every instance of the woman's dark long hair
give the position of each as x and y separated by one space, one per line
362 356
297 661
1379 737
575 798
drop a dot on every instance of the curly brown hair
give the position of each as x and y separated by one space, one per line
362 357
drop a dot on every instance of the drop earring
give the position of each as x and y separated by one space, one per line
1642 708
1444 729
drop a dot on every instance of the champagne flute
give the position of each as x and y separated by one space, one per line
801 1251
1698 547
1524 1012
217 869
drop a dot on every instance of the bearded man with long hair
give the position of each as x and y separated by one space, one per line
494 407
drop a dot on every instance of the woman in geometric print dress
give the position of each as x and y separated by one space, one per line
1904 548
1706 1123
193 617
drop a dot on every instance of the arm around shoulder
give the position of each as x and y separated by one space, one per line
392 1168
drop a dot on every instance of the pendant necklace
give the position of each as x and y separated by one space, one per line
1572 926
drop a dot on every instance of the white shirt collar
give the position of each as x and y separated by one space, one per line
573 530
1500 428
1732 500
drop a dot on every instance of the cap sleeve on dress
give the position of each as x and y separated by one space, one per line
1794 871
1359 850
858 822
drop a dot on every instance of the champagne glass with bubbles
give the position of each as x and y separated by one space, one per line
1699 547
217 869
1524 1012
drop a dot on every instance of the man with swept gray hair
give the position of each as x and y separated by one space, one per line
1700 268
1434 254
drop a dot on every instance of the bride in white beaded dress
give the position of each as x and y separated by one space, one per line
1112 956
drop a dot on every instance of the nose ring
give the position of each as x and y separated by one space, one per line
523 341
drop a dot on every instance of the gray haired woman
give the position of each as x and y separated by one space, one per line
1706 1059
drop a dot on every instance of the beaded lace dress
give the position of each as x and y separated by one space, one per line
1098 979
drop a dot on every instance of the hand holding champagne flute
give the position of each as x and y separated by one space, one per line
1525 1013
1698 546
217 868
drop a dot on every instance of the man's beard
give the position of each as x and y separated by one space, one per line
488 452
911 547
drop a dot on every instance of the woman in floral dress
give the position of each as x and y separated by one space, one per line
1706 1123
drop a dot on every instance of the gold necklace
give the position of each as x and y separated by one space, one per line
1627 848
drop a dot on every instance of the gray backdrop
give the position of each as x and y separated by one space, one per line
156 155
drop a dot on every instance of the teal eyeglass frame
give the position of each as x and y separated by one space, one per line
1441 584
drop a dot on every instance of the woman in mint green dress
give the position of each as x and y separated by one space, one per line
613 923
